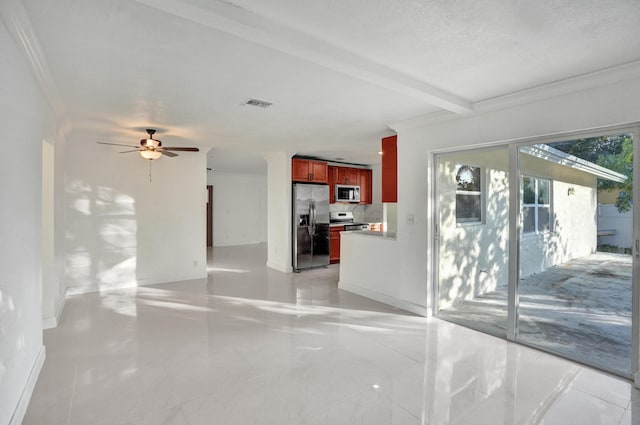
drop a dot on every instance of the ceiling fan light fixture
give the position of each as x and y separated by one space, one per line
150 154
151 148
150 143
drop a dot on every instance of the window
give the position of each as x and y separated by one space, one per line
468 194
536 205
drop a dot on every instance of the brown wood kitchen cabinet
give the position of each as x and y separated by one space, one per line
390 169
333 177
334 244
351 176
366 187
308 170
348 175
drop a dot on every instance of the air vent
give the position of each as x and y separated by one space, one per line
258 103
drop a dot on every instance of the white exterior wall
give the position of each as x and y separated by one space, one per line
124 230
411 278
622 223
239 208
474 257
26 122
574 228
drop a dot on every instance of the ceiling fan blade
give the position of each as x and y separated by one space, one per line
116 144
132 150
169 154
181 149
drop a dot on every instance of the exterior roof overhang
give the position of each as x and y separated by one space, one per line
556 156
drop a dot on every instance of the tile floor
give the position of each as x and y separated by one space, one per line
250 345
581 309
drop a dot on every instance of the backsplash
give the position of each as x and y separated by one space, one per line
370 213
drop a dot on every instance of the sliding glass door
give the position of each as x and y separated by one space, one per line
575 249
537 242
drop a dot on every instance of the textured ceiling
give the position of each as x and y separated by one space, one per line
337 72
477 49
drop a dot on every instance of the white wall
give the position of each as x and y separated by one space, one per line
609 218
279 224
26 122
239 208
411 278
394 270
360 253
50 279
124 230
376 184
53 173
53 299
474 257
574 218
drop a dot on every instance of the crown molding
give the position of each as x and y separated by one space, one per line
587 81
247 25
19 25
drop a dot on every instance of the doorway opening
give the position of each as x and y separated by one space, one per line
209 216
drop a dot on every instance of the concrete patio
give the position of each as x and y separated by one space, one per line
580 309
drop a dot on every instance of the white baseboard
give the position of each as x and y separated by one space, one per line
171 279
236 243
52 322
49 322
385 299
138 282
27 392
280 267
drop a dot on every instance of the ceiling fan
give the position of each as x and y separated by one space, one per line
151 148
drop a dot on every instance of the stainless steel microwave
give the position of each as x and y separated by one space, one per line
345 193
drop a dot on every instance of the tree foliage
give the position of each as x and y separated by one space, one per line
614 152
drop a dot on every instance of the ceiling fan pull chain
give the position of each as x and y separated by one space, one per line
150 171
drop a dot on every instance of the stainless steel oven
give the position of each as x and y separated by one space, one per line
346 218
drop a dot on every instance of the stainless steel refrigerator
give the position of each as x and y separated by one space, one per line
310 226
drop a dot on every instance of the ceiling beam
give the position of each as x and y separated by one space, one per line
242 23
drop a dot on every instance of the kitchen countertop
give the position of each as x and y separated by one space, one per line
360 222
381 235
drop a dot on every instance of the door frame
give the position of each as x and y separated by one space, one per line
515 226
209 215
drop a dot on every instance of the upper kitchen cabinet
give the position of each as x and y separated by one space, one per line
390 169
349 176
310 171
366 187
333 180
